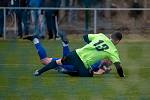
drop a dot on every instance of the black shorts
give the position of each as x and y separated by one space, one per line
73 59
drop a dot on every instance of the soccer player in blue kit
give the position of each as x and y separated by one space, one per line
98 68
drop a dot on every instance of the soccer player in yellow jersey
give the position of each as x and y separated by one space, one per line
99 47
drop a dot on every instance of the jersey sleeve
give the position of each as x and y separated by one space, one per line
89 37
93 36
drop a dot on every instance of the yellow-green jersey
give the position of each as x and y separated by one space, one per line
99 48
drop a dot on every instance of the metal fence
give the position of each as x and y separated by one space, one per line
94 10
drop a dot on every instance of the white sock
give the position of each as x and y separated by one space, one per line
35 40
64 44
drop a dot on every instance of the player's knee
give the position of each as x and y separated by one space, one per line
43 62
59 62
46 61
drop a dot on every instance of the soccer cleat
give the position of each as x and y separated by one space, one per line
30 37
63 37
36 73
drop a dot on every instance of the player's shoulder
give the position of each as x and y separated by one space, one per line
98 35
101 34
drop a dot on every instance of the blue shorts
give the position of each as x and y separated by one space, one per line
73 59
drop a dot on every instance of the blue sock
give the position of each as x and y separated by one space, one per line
40 50
66 49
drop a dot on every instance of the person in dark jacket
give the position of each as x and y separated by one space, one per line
52 17
22 17
3 3
35 15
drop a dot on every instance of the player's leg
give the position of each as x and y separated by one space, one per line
68 69
66 49
52 65
65 43
40 49
73 59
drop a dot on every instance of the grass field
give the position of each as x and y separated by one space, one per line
18 60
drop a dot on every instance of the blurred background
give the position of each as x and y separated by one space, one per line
46 18
23 20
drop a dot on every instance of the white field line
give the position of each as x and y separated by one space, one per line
18 64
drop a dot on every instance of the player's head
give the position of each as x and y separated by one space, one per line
106 63
116 37
105 66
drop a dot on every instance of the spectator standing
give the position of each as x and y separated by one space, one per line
36 16
1 22
3 3
42 24
52 17
22 17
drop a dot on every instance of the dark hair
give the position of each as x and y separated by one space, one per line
116 36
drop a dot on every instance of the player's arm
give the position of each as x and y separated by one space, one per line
86 39
89 37
119 69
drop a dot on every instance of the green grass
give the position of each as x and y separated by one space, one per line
18 60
